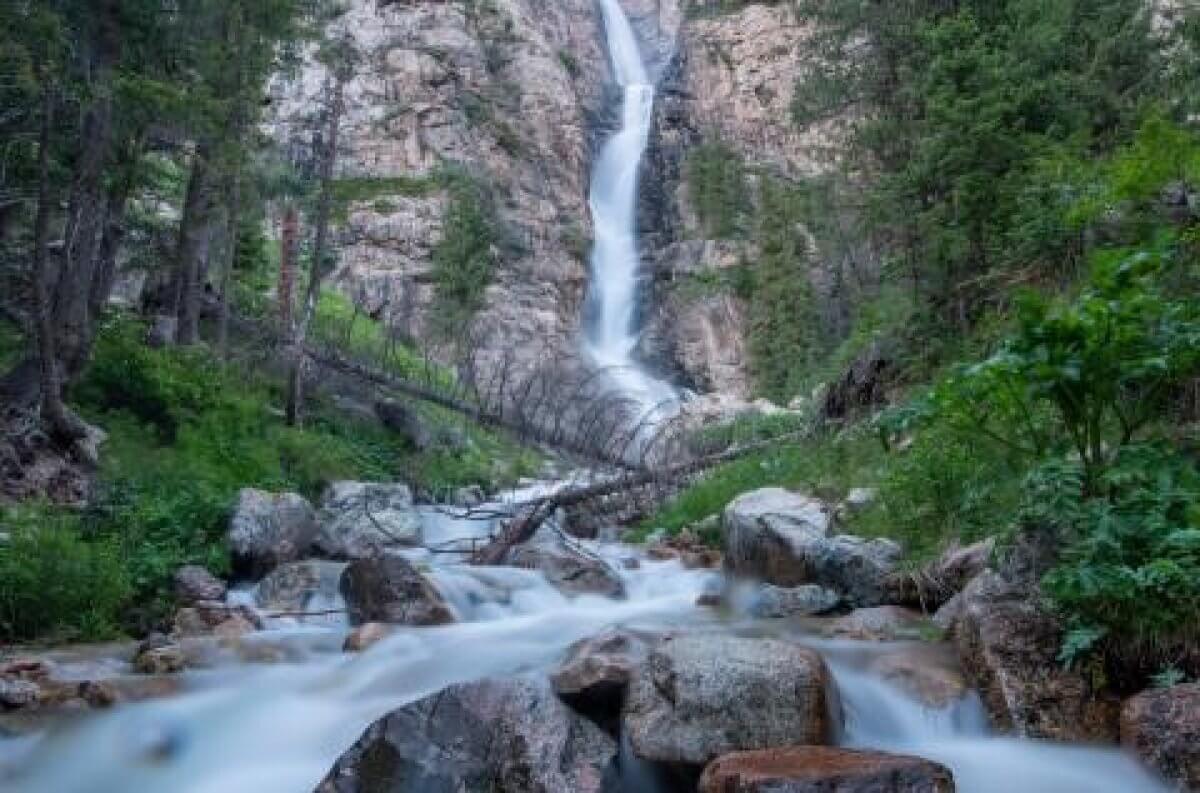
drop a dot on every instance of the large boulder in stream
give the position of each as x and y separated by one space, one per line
359 520
568 567
193 584
700 696
498 736
269 529
1009 645
819 769
389 589
783 538
289 589
596 672
1163 728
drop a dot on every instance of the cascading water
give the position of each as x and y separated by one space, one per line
612 334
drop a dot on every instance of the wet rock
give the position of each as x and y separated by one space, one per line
233 627
469 496
596 672
933 681
772 602
939 581
946 617
364 636
194 583
697 697
1163 728
268 529
571 569
359 520
879 624
1009 647
18 693
499 736
288 588
158 655
782 538
98 693
422 433
389 589
818 769
206 617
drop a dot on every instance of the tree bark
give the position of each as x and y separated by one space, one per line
60 423
191 248
316 268
72 317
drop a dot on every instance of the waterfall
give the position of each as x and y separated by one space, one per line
612 336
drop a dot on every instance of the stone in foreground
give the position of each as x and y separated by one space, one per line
818 769
359 520
1163 728
498 736
596 672
782 538
1008 646
269 529
389 589
701 696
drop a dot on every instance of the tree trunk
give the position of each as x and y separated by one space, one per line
316 268
72 318
191 248
233 227
60 423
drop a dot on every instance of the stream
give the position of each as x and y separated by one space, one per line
240 727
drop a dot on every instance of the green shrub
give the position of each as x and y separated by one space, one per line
1128 581
464 258
717 187
55 583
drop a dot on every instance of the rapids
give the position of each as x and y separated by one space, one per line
277 728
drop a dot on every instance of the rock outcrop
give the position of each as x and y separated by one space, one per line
782 538
1163 728
879 624
193 583
571 570
268 529
287 590
768 601
1009 647
817 769
389 589
502 736
699 696
359 520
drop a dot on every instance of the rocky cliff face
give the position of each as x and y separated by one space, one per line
509 91
731 79
518 93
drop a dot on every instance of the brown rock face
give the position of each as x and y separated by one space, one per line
1163 728
389 589
816 769
1009 649
697 697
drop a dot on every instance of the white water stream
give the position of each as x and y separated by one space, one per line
612 336
278 727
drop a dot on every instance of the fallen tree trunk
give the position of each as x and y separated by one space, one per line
524 526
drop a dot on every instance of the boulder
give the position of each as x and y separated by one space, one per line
1008 646
782 538
364 636
596 672
819 769
699 696
422 433
1163 728
879 624
288 588
18 693
571 569
389 589
361 519
937 582
499 736
158 655
211 617
193 583
926 677
268 529
768 601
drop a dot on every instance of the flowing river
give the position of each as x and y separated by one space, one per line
277 727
